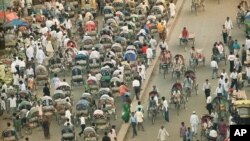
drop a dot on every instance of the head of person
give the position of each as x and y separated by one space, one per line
182 123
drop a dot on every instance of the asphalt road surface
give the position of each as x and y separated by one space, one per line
207 26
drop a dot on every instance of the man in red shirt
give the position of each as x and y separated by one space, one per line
123 89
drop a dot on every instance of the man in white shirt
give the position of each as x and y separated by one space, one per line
229 25
165 109
49 23
247 43
139 116
22 86
209 105
30 53
13 104
137 87
214 67
248 73
194 121
149 53
224 74
231 58
163 45
207 88
219 90
40 56
234 81
82 123
153 45
30 71
68 114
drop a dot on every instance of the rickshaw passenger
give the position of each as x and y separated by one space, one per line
92 77
68 123
176 95
212 135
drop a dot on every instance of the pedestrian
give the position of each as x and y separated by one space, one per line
12 104
230 43
126 111
68 114
219 90
46 127
214 66
207 88
247 42
142 74
134 122
137 88
140 119
234 81
231 59
123 89
172 9
82 123
209 105
112 133
162 134
26 139
226 87
224 34
46 90
165 109
189 134
183 130
224 74
248 73
55 81
139 106
237 63
3 111
228 25
153 44
236 47
194 121
163 45
18 126
149 54
106 137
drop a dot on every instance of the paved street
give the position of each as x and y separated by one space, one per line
207 26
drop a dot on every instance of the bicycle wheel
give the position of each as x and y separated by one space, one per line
153 117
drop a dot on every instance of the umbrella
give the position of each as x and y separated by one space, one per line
9 16
15 22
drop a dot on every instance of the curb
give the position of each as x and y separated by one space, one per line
171 24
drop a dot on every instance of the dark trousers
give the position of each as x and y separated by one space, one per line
134 128
82 129
166 116
137 92
234 83
225 37
231 66
207 93
209 108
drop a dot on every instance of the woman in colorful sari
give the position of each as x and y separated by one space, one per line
126 109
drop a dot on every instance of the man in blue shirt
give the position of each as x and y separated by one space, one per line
133 123
236 47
